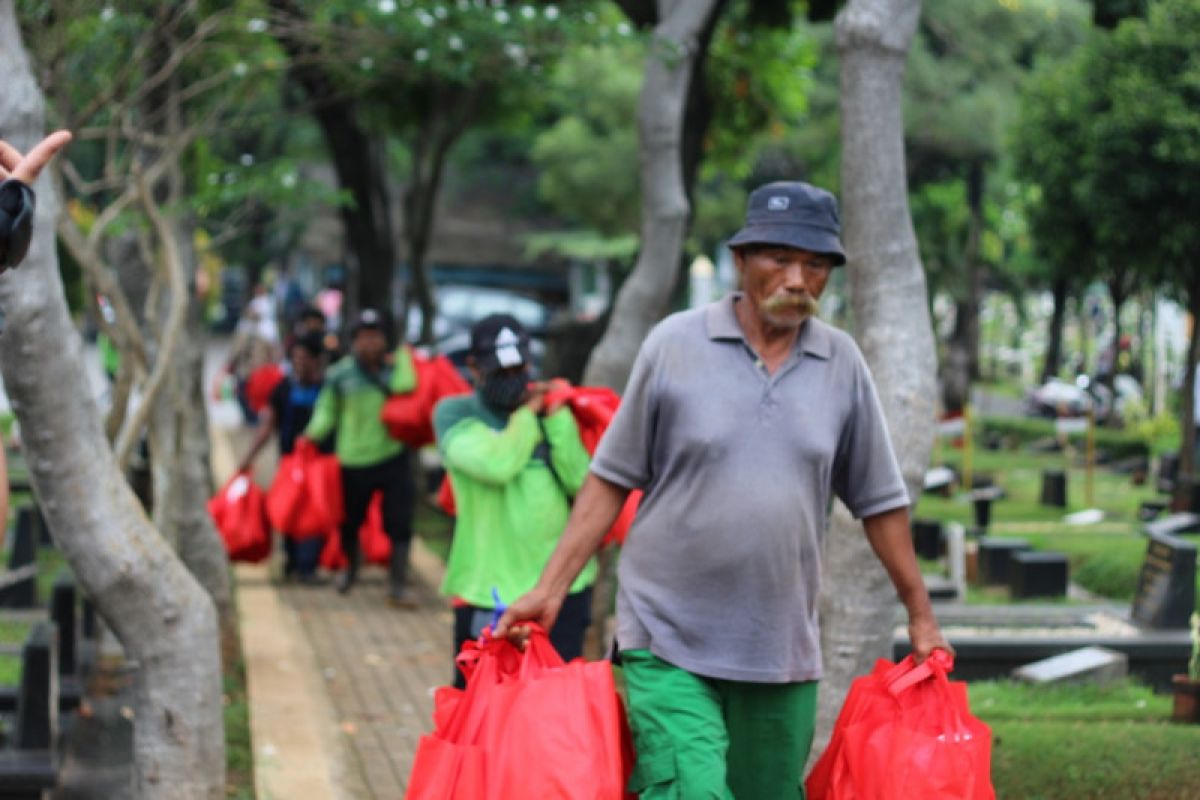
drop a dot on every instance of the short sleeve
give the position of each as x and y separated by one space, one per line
623 455
866 475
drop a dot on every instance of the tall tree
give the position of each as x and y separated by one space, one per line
670 65
893 328
164 619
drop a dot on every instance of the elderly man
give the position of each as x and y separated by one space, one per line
739 422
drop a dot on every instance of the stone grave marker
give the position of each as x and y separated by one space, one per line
1054 488
1174 524
927 538
995 557
1166 590
1097 665
1037 574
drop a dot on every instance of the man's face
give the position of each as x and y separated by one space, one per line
782 283
369 344
305 366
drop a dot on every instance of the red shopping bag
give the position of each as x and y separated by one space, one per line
373 541
409 417
906 731
259 385
305 498
526 726
240 514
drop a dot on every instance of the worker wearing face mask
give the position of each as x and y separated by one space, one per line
515 465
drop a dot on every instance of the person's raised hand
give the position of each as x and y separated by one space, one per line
536 605
26 168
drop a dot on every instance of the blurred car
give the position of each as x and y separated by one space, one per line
459 307
1057 397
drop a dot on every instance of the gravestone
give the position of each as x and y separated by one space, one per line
927 538
1034 574
1174 524
37 704
62 611
1168 471
995 557
1054 488
1149 510
18 589
983 499
1097 665
1166 590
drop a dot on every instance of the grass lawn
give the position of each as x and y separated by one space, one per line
1086 742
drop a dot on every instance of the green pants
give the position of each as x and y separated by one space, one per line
707 739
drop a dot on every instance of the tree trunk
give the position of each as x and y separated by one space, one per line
1054 335
181 470
644 295
162 616
361 165
887 286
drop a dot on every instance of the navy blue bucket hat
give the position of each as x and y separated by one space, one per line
793 214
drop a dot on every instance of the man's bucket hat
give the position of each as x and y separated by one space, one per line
793 214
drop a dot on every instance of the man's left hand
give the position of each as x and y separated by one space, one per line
925 637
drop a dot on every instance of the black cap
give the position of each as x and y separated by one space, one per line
499 341
793 214
368 319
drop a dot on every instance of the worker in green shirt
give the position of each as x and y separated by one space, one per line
515 466
372 461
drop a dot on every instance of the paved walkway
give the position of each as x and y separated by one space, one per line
340 687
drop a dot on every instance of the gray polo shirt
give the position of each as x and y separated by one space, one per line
721 568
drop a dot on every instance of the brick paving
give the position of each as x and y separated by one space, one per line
380 666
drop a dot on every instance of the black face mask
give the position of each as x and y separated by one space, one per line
16 222
504 391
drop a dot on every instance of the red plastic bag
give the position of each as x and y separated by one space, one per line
593 408
527 726
259 385
305 498
906 731
373 541
409 417
240 513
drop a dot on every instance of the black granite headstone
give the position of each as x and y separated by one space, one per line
18 589
983 499
62 611
37 703
1168 471
1166 590
1034 574
1054 488
927 538
995 557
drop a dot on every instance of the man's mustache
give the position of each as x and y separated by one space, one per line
802 302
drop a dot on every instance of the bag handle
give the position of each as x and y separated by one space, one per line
908 673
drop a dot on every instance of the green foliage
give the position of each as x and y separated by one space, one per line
1110 139
587 158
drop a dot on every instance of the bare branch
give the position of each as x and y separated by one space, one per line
172 264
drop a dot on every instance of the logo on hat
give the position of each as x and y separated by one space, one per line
778 203
508 354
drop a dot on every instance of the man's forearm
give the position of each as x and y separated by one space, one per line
891 540
597 506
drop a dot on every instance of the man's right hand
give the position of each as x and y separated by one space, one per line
536 605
